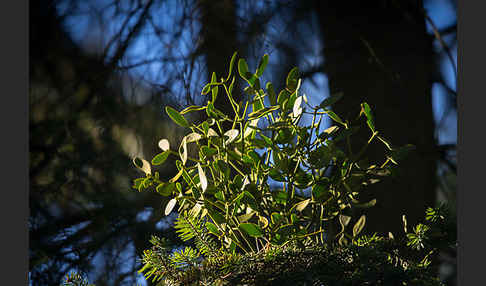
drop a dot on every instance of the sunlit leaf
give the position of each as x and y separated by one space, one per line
358 227
242 68
300 206
297 109
245 217
164 144
231 134
143 165
183 152
232 62
334 117
261 65
192 108
366 110
262 112
193 137
292 78
170 206
202 178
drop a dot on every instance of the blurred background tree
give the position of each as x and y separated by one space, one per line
102 71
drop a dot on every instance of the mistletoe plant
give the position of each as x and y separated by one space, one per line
269 179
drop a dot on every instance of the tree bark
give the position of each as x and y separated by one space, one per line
379 53
219 34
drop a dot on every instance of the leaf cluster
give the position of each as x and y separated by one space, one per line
269 181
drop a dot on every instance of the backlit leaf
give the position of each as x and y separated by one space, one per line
143 165
300 206
261 65
176 116
202 178
242 68
251 229
231 134
160 158
359 225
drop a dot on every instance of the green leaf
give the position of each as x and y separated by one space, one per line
272 96
334 117
261 65
320 157
160 158
232 84
276 218
214 89
321 191
251 229
215 215
208 151
292 78
366 110
279 196
165 189
262 112
331 100
202 178
243 68
192 108
208 87
276 175
232 62
170 206
176 116
282 97
212 228
358 227
245 217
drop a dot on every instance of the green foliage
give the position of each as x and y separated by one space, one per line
266 184
74 279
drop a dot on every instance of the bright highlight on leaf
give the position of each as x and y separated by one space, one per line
170 206
231 134
202 178
143 165
164 144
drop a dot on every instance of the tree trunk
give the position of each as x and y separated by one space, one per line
218 19
381 54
